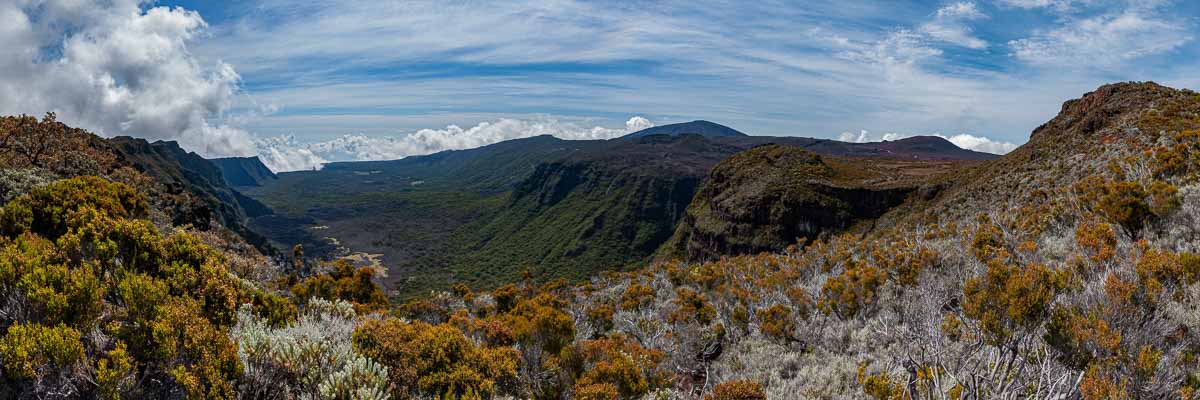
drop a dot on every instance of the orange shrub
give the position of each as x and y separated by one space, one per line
737 390
853 290
777 322
617 362
636 296
436 360
1097 239
1081 339
343 282
692 305
1011 298
596 391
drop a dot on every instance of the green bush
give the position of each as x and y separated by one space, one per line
28 349
149 309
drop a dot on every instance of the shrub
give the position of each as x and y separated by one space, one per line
149 309
26 142
1164 198
16 182
988 242
344 282
737 390
45 210
506 298
617 362
1081 339
881 386
1097 239
114 373
852 291
63 295
596 391
435 360
27 349
1097 385
1009 299
1179 158
692 306
1125 204
309 358
1161 270
359 379
777 322
636 296
600 316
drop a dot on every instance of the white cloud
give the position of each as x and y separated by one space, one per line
284 153
116 69
637 123
950 25
900 48
963 140
1061 5
980 143
1103 40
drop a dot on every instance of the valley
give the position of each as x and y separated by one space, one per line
557 209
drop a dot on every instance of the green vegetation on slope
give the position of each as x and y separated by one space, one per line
97 301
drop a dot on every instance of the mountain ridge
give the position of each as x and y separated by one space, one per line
244 171
697 127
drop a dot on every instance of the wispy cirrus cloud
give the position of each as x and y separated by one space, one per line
1105 39
951 24
767 67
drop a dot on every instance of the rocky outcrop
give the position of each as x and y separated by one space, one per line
767 198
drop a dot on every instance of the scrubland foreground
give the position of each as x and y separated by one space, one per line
1066 269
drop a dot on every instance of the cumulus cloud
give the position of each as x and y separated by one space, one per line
637 123
950 25
117 69
284 153
1104 39
963 140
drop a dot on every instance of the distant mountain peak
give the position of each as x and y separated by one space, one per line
697 127
929 143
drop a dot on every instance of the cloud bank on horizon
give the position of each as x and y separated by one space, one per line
963 140
301 84
285 153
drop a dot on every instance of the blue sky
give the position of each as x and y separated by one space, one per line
991 68
308 73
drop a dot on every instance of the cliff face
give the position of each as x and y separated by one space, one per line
573 218
244 171
201 193
767 198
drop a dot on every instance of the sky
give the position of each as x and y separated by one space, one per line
303 83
